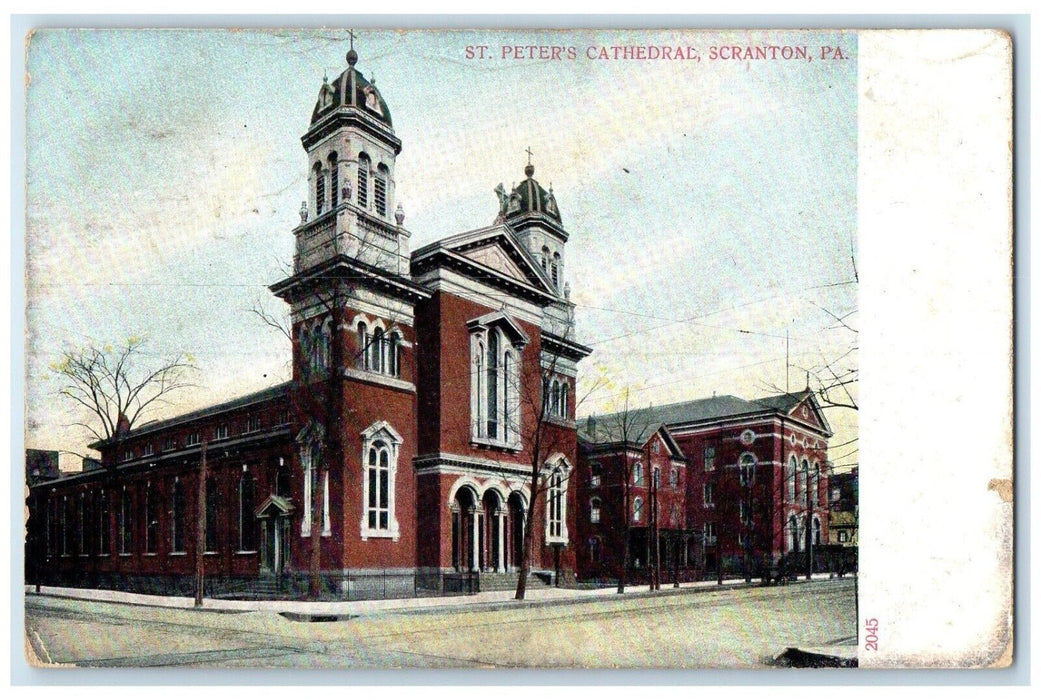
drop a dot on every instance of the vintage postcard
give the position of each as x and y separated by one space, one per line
679 349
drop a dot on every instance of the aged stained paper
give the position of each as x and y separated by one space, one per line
810 229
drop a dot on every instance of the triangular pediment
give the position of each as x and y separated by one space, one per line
274 506
498 249
493 256
808 411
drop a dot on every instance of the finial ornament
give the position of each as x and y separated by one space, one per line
399 214
303 212
352 55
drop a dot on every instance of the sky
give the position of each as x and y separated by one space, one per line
711 204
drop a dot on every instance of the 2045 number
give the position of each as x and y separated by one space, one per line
871 634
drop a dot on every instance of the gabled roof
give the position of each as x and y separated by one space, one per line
632 433
709 410
491 254
262 396
274 505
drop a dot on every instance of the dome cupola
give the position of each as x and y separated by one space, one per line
529 197
351 90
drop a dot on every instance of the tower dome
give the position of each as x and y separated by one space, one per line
352 90
529 197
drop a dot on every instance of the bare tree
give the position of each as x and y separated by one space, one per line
118 386
546 438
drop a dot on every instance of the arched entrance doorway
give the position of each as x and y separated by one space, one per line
465 532
514 530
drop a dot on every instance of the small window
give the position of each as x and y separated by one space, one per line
638 510
674 477
319 189
380 189
253 424
148 451
128 455
192 439
710 458
843 536
710 533
169 444
220 432
594 511
638 474
363 181
709 495
594 475
747 469
334 181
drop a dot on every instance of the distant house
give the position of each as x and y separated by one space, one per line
40 466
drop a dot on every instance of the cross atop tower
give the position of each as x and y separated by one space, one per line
528 151
350 33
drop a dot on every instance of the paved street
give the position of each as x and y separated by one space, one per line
731 628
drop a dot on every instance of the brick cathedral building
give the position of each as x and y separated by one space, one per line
425 386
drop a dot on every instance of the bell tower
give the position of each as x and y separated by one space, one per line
351 208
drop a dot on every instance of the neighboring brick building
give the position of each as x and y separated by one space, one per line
844 508
406 437
632 479
756 485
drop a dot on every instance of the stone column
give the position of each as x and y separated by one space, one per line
475 539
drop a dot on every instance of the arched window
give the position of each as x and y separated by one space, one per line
790 478
380 189
656 475
104 524
126 523
563 399
594 550
555 504
379 459
479 379
638 474
81 524
151 519
815 483
747 469
492 402
394 355
312 462
545 259
674 477
177 516
319 189
212 501
554 392
376 350
638 510
247 522
508 426
804 474
793 534
555 274
594 474
363 346
378 501
334 181
594 511
363 180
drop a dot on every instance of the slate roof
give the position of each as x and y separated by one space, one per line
644 421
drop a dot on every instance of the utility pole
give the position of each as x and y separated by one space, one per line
655 478
200 537
810 498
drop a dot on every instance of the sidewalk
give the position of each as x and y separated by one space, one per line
303 610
